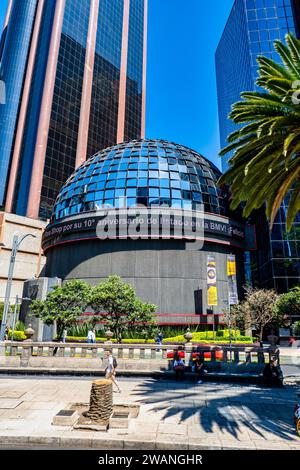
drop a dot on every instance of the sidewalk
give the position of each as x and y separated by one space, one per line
172 416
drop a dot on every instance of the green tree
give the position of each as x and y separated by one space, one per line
235 318
63 305
297 328
116 299
288 304
265 164
120 306
142 319
258 310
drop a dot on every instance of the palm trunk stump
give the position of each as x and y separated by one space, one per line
101 401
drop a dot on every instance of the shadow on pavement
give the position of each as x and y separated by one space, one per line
261 410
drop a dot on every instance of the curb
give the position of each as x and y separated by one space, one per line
219 376
108 443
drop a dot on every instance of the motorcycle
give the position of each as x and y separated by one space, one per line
297 417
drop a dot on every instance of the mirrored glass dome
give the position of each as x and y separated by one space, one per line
142 172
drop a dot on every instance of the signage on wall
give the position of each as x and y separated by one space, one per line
212 291
190 226
232 284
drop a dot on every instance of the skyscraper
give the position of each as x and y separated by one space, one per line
251 29
75 76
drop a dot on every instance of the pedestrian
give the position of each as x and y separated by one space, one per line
110 365
94 336
90 336
199 369
272 374
159 339
292 340
64 335
6 334
272 339
178 366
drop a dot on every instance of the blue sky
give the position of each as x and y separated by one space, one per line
181 83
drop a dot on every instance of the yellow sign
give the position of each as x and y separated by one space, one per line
231 266
212 291
212 296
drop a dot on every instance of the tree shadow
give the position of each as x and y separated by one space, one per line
260 409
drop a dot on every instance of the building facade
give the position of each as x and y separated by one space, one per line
75 76
170 265
30 259
251 29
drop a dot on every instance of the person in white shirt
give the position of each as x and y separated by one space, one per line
110 369
64 336
94 336
91 337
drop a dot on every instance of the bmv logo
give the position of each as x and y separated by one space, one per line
2 92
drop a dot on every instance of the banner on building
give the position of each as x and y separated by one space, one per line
232 284
212 292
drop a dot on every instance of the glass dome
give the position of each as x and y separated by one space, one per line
142 172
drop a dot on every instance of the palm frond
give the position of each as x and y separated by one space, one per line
265 160
286 58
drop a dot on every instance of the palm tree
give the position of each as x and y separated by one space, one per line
265 164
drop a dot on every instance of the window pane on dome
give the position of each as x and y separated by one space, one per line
153 192
119 192
142 182
111 184
132 183
131 192
185 185
176 203
165 193
175 184
164 183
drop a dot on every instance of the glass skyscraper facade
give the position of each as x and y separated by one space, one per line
251 29
12 72
75 75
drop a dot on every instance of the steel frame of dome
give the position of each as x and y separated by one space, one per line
152 173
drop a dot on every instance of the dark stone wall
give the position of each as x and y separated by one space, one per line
168 273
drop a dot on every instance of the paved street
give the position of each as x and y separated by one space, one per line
172 415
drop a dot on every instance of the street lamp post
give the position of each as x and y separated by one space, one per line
15 246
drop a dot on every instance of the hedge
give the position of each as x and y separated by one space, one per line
83 339
175 340
18 335
213 337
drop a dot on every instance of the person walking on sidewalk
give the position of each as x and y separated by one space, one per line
110 365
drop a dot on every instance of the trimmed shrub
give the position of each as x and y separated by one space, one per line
83 339
206 337
18 335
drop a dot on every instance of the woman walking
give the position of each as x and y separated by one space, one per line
110 365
